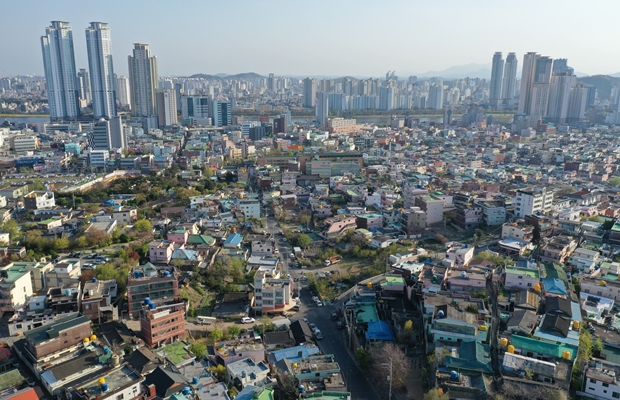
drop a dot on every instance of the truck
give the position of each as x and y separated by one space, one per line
332 260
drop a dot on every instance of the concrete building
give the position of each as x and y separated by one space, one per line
15 287
99 158
159 285
196 110
96 300
532 201
99 49
310 86
322 107
39 200
166 108
143 78
495 85
433 208
61 335
160 251
271 295
60 73
163 324
123 94
602 380
250 207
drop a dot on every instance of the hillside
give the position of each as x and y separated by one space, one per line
603 84
242 76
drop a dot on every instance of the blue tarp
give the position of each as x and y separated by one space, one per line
379 330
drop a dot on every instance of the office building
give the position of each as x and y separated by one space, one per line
535 84
196 110
559 95
509 83
322 107
99 158
309 92
221 113
99 48
495 86
108 134
122 92
143 80
166 108
257 133
84 86
60 77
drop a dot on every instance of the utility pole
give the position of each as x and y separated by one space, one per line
386 365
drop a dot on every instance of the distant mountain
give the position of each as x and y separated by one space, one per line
245 75
472 70
616 75
603 84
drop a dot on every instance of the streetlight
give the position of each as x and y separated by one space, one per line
389 377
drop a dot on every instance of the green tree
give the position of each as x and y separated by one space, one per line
219 371
304 241
216 335
615 182
234 331
198 349
124 238
11 227
408 329
597 346
143 225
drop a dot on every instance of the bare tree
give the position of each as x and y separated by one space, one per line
380 356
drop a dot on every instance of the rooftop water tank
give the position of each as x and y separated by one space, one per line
463 275
152 306
440 314
166 273
101 381
187 390
68 292
93 337
104 387
454 376
195 380
511 349
94 279
147 301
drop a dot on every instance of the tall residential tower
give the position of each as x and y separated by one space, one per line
495 87
60 77
143 80
509 83
99 48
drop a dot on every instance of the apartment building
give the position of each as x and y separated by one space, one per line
96 300
163 324
159 285
558 249
272 294
125 215
61 335
250 207
537 200
432 206
37 200
340 225
160 251
15 288
413 220
493 212
65 272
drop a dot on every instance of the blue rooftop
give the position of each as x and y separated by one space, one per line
292 353
234 239
379 330
554 286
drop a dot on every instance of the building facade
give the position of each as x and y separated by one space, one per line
101 67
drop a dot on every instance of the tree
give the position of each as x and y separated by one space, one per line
304 240
435 394
198 349
229 177
219 371
597 346
382 355
11 227
143 225
216 335
615 182
124 238
95 237
408 329
234 331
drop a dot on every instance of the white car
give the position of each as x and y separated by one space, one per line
319 304
247 320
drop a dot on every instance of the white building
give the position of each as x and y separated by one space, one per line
99 48
59 65
15 286
99 158
271 294
108 134
123 94
166 108
250 207
530 202
602 380
143 77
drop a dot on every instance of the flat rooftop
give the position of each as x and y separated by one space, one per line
116 379
531 273
176 353
52 330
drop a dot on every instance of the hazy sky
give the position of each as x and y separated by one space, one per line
317 37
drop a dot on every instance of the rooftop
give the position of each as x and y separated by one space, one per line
177 353
530 273
53 330
116 379
235 346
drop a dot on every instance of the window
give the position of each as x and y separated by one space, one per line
605 384
88 306
615 395
119 397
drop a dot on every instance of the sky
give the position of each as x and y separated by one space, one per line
318 37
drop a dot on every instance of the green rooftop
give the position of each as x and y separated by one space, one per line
393 281
556 349
530 273
616 227
365 312
176 352
10 379
53 330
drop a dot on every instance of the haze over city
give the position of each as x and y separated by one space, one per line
357 38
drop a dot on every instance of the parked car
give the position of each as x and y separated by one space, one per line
247 320
319 304
318 334
312 326
334 316
339 325
295 308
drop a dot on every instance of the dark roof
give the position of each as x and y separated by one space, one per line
301 332
111 334
555 325
279 337
525 319
166 382
53 330
558 306
235 297
142 360
81 363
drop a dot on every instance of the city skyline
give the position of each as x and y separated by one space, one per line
301 26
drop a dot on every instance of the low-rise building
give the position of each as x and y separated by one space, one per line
160 251
37 200
121 382
158 285
521 278
61 335
97 300
248 372
162 324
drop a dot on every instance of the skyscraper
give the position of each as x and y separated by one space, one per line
167 107
60 78
495 86
510 79
122 91
322 107
559 95
435 97
577 103
221 112
84 85
386 98
535 82
560 65
99 48
108 134
143 81
309 92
